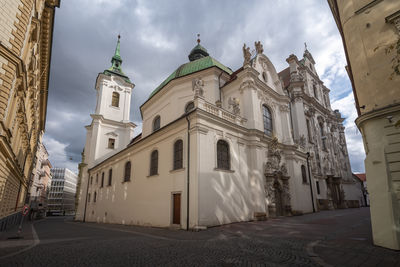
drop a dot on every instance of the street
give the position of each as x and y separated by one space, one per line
327 238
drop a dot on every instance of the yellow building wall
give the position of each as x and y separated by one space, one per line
25 47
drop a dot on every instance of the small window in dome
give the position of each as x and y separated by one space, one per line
189 106
265 76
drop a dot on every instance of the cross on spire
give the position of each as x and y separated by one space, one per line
198 38
305 46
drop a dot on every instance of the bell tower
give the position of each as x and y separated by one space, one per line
110 130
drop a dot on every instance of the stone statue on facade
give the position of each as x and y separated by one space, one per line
234 103
197 85
259 47
246 55
284 170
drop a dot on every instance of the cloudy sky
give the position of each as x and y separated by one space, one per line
157 36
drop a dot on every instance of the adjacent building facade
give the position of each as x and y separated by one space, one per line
371 37
41 181
61 198
26 28
217 146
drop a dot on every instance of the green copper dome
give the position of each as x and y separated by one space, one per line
116 62
199 60
198 52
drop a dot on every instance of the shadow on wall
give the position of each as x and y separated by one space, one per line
228 197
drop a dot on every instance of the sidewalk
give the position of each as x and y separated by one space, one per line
11 244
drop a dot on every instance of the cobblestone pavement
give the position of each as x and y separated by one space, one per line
336 238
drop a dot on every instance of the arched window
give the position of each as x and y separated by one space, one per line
315 91
323 137
110 177
115 99
156 123
223 158
309 131
91 180
178 154
154 163
189 106
102 179
127 174
94 197
304 173
265 76
97 178
267 120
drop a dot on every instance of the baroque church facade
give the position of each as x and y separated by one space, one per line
217 146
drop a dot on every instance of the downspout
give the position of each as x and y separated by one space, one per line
188 173
309 178
87 191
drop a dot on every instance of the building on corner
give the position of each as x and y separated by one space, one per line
370 32
62 192
26 33
217 146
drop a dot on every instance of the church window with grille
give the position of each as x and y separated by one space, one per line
223 157
111 143
154 163
304 174
110 177
115 99
127 174
178 154
267 121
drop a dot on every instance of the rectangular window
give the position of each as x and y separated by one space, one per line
111 143
110 177
318 190
102 179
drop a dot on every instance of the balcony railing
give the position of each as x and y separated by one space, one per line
218 111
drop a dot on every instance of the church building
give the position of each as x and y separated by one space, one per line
217 146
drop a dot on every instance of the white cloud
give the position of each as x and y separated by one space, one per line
148 32
58 155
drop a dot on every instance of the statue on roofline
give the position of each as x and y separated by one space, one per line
246 55
259 47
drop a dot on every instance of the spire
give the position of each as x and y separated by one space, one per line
116 59
308 54
198 51
116 62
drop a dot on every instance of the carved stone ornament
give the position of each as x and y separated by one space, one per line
284 108
234 103
284 170
246 55
302 141
259 47
247 84
395 20
197 87
310 112
296 77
